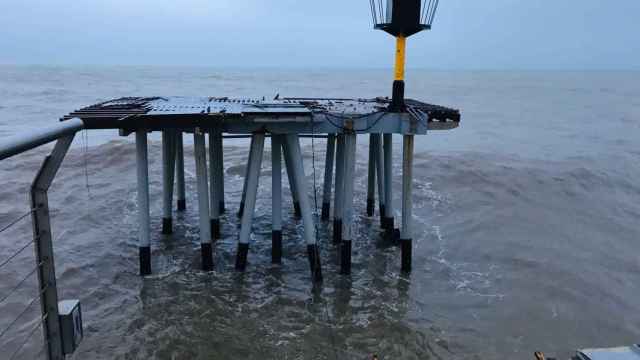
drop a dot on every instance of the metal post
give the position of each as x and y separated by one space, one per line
276 198
182 202
328 176
388 187
292 185
292 149
407 204
203 199
43 241
219 149
253 175
144 222
371 177
339 189
347 216
214 204
380 176
168 172
246 179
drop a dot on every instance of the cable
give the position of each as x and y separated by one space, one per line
31 332
344 117
20 283
16 253
17 220
21 313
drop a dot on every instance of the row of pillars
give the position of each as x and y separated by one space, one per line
341 151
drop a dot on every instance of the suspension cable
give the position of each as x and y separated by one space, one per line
15 221
16 253
22 312
21 282
31 332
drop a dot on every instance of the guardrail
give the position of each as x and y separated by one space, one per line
56 341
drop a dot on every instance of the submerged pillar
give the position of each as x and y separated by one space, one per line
246 179
144 222
168 173
255 157
292 185
339 187
347 210
203 199
219 169
182 202
292 149
328 176
276 198
388 187
379 165
371 177
406 234
214 180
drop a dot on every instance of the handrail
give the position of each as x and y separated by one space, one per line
17 144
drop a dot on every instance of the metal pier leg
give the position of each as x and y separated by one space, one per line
144 222
203 199
219 149
246 179
339 189
182 202
371 177
328 176
407 204
388 187
379 165
168 173
292 185
347 215
43 242
214 180
276 198
257 147
292 148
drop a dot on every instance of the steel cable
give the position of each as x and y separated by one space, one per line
20 283
15 221
21 313
31 332
16 253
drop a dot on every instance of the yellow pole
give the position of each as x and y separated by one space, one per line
401 43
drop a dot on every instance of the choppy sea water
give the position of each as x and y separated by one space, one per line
526 225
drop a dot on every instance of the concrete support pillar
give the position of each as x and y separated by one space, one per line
276 198
144 222
168 173
371 177
214 181
328 176
219 169
292 150
253 175
339 189
388 187
347 215
292 185
246 179
182 202
406 234
379 165
203 199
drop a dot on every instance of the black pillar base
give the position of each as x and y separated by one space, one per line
387 222
314 263
276 246
392 236
182 205
397 100
215 228
371 207
222 208
207 256
296 210
326 207
337 231
345 257
241 257
167 226
381 206
144 253
241 209
406 249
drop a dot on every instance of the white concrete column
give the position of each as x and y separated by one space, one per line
144 222
203 199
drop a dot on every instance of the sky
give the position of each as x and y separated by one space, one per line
467 34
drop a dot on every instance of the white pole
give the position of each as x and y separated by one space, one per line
407 204
168 173
182 202
203 199
219 151
339 189
380 176
253 175
371 177
292 185
246 179
276 198
328 176
388 187
347 217
214 204
144 222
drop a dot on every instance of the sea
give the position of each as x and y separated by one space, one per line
526 236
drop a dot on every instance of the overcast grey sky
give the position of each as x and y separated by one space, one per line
467 34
